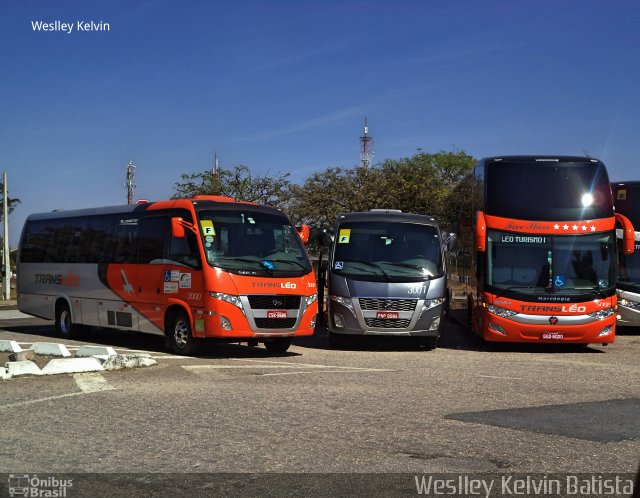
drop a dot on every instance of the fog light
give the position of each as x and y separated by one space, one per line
435 324
497 328
225 323
338 320
606 331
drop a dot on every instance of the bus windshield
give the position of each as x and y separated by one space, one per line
252 243
538 264
388 251
539 190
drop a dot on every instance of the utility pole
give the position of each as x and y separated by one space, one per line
129 182
6 264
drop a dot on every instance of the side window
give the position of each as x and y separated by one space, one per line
153 237
185 250
125 240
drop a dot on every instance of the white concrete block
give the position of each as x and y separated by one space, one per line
71 365
50 349
10 346
95 351
24 367
128 361
4 374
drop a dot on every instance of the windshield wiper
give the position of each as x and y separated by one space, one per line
429 275
262 263
288 261
368 263
513 287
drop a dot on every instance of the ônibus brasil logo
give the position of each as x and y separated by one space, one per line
34 486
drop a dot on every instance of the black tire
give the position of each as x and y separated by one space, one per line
335 340
429 343
469 314
279 345
180 336
65 327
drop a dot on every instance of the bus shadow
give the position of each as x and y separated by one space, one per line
147 343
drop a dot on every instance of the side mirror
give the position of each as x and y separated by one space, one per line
177 227
303 232
481 233
322 238
449 241
628 235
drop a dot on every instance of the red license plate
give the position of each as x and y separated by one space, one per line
553 336
387 315
276 314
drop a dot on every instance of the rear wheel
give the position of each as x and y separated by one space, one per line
65 327
180 336
279 345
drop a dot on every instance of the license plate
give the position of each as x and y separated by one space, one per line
276 314
554 336
387 315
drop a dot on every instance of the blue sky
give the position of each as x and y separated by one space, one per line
284 86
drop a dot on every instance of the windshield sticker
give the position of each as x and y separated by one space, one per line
622 195
603 283
268 264
339 265
171 287
209 239
207 227
344 236
521 239
185 280
387 240
560 281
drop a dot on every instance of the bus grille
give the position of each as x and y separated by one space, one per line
275 323
387 324
270 302
387 304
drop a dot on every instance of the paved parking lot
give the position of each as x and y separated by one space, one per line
370 407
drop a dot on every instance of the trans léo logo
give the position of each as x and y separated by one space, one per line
34 486
69 280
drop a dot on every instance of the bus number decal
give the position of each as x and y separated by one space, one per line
417 289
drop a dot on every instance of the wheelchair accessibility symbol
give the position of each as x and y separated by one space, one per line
560 281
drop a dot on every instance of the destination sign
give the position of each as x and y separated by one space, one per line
523 239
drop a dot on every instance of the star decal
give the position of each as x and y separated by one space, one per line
575 227
565 227
593 228
584 228
556 227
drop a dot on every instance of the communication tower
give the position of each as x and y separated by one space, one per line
366 148
129 183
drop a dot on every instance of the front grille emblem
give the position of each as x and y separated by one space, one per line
277 302
553 320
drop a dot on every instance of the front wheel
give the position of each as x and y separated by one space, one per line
180 336
279 345
65 327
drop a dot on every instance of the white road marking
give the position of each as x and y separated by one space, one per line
499 377
39 400
316 372
311 365
92 382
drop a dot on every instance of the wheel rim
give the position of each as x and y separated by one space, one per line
181 334
65 322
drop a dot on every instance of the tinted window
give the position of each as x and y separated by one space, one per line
152 238
531 190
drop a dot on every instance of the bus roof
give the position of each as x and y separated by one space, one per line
392 216
201 201
541 158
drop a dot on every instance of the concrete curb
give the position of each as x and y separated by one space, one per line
9 346
87 359
72 365
50 349
95 351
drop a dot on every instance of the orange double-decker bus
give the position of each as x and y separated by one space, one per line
203 268
545 250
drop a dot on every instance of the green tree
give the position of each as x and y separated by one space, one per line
423 184
11 203
238 183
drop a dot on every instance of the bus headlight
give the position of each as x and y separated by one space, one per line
309 300
628 304
602 314
344 301
229 298
504 313
432 303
